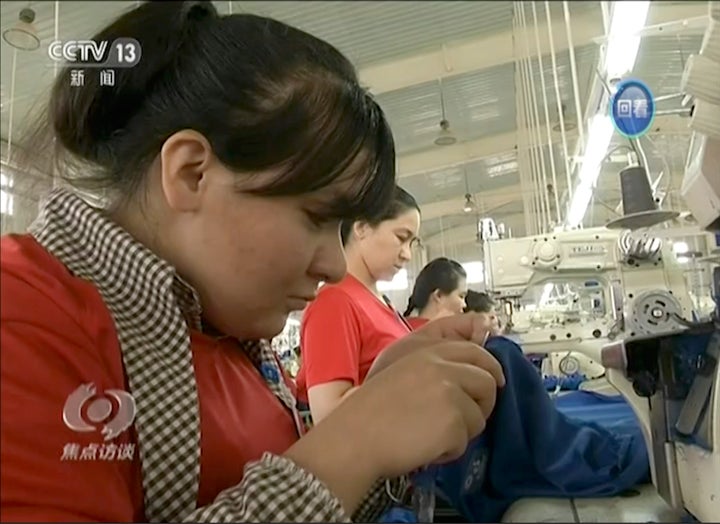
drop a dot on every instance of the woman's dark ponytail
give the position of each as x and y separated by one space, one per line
410 307
440 274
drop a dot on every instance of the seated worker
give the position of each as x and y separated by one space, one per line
479 302
439 291
343 333
349 323
137 383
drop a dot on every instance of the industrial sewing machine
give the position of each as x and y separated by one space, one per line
569 293
672 379
661 360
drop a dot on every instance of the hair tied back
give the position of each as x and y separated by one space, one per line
198 10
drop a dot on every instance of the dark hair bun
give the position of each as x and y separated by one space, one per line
265 95
86 118
198 10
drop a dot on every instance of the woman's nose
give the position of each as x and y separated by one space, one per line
329 264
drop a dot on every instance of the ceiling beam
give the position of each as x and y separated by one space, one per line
437 158
472 55
488 201
444 157
498 49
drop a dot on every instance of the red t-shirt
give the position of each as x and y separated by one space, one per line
343 331
417 322
56 335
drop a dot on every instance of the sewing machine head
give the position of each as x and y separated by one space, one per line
629 302
577 290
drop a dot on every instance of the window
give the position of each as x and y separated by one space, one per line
6 196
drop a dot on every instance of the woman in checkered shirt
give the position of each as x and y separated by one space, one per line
136 385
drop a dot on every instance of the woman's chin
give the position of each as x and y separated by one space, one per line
389 274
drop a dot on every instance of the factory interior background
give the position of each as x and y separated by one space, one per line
498 110
490 104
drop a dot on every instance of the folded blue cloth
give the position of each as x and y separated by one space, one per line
612 412
531 448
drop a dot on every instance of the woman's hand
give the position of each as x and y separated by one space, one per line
471 327
424 408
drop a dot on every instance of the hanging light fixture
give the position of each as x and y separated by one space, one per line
469 206
23 35
445 136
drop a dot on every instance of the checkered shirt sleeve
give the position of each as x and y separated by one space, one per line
153 310
275 489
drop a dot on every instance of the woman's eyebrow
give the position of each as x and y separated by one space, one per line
407 232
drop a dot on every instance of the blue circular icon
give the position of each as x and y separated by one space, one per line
632 108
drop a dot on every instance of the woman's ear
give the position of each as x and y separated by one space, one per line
360 229
436 295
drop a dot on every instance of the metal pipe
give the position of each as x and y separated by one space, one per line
547 116
523 161
442 235
55 181
641 151
573 70
230 7
668 97
531 152
605 10
681 111
523 146
57 33
536 127
558 101
529 201
532 146
11 109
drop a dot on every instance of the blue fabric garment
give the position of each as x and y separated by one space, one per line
537 450
611 412
398 514
566 382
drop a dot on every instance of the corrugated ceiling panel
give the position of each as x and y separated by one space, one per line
366 31
661 61
370 32
481 103
477 104
586 59
474 177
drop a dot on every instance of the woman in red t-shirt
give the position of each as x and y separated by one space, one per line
350 323
439 291
136 381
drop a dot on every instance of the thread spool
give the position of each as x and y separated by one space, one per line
639 207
